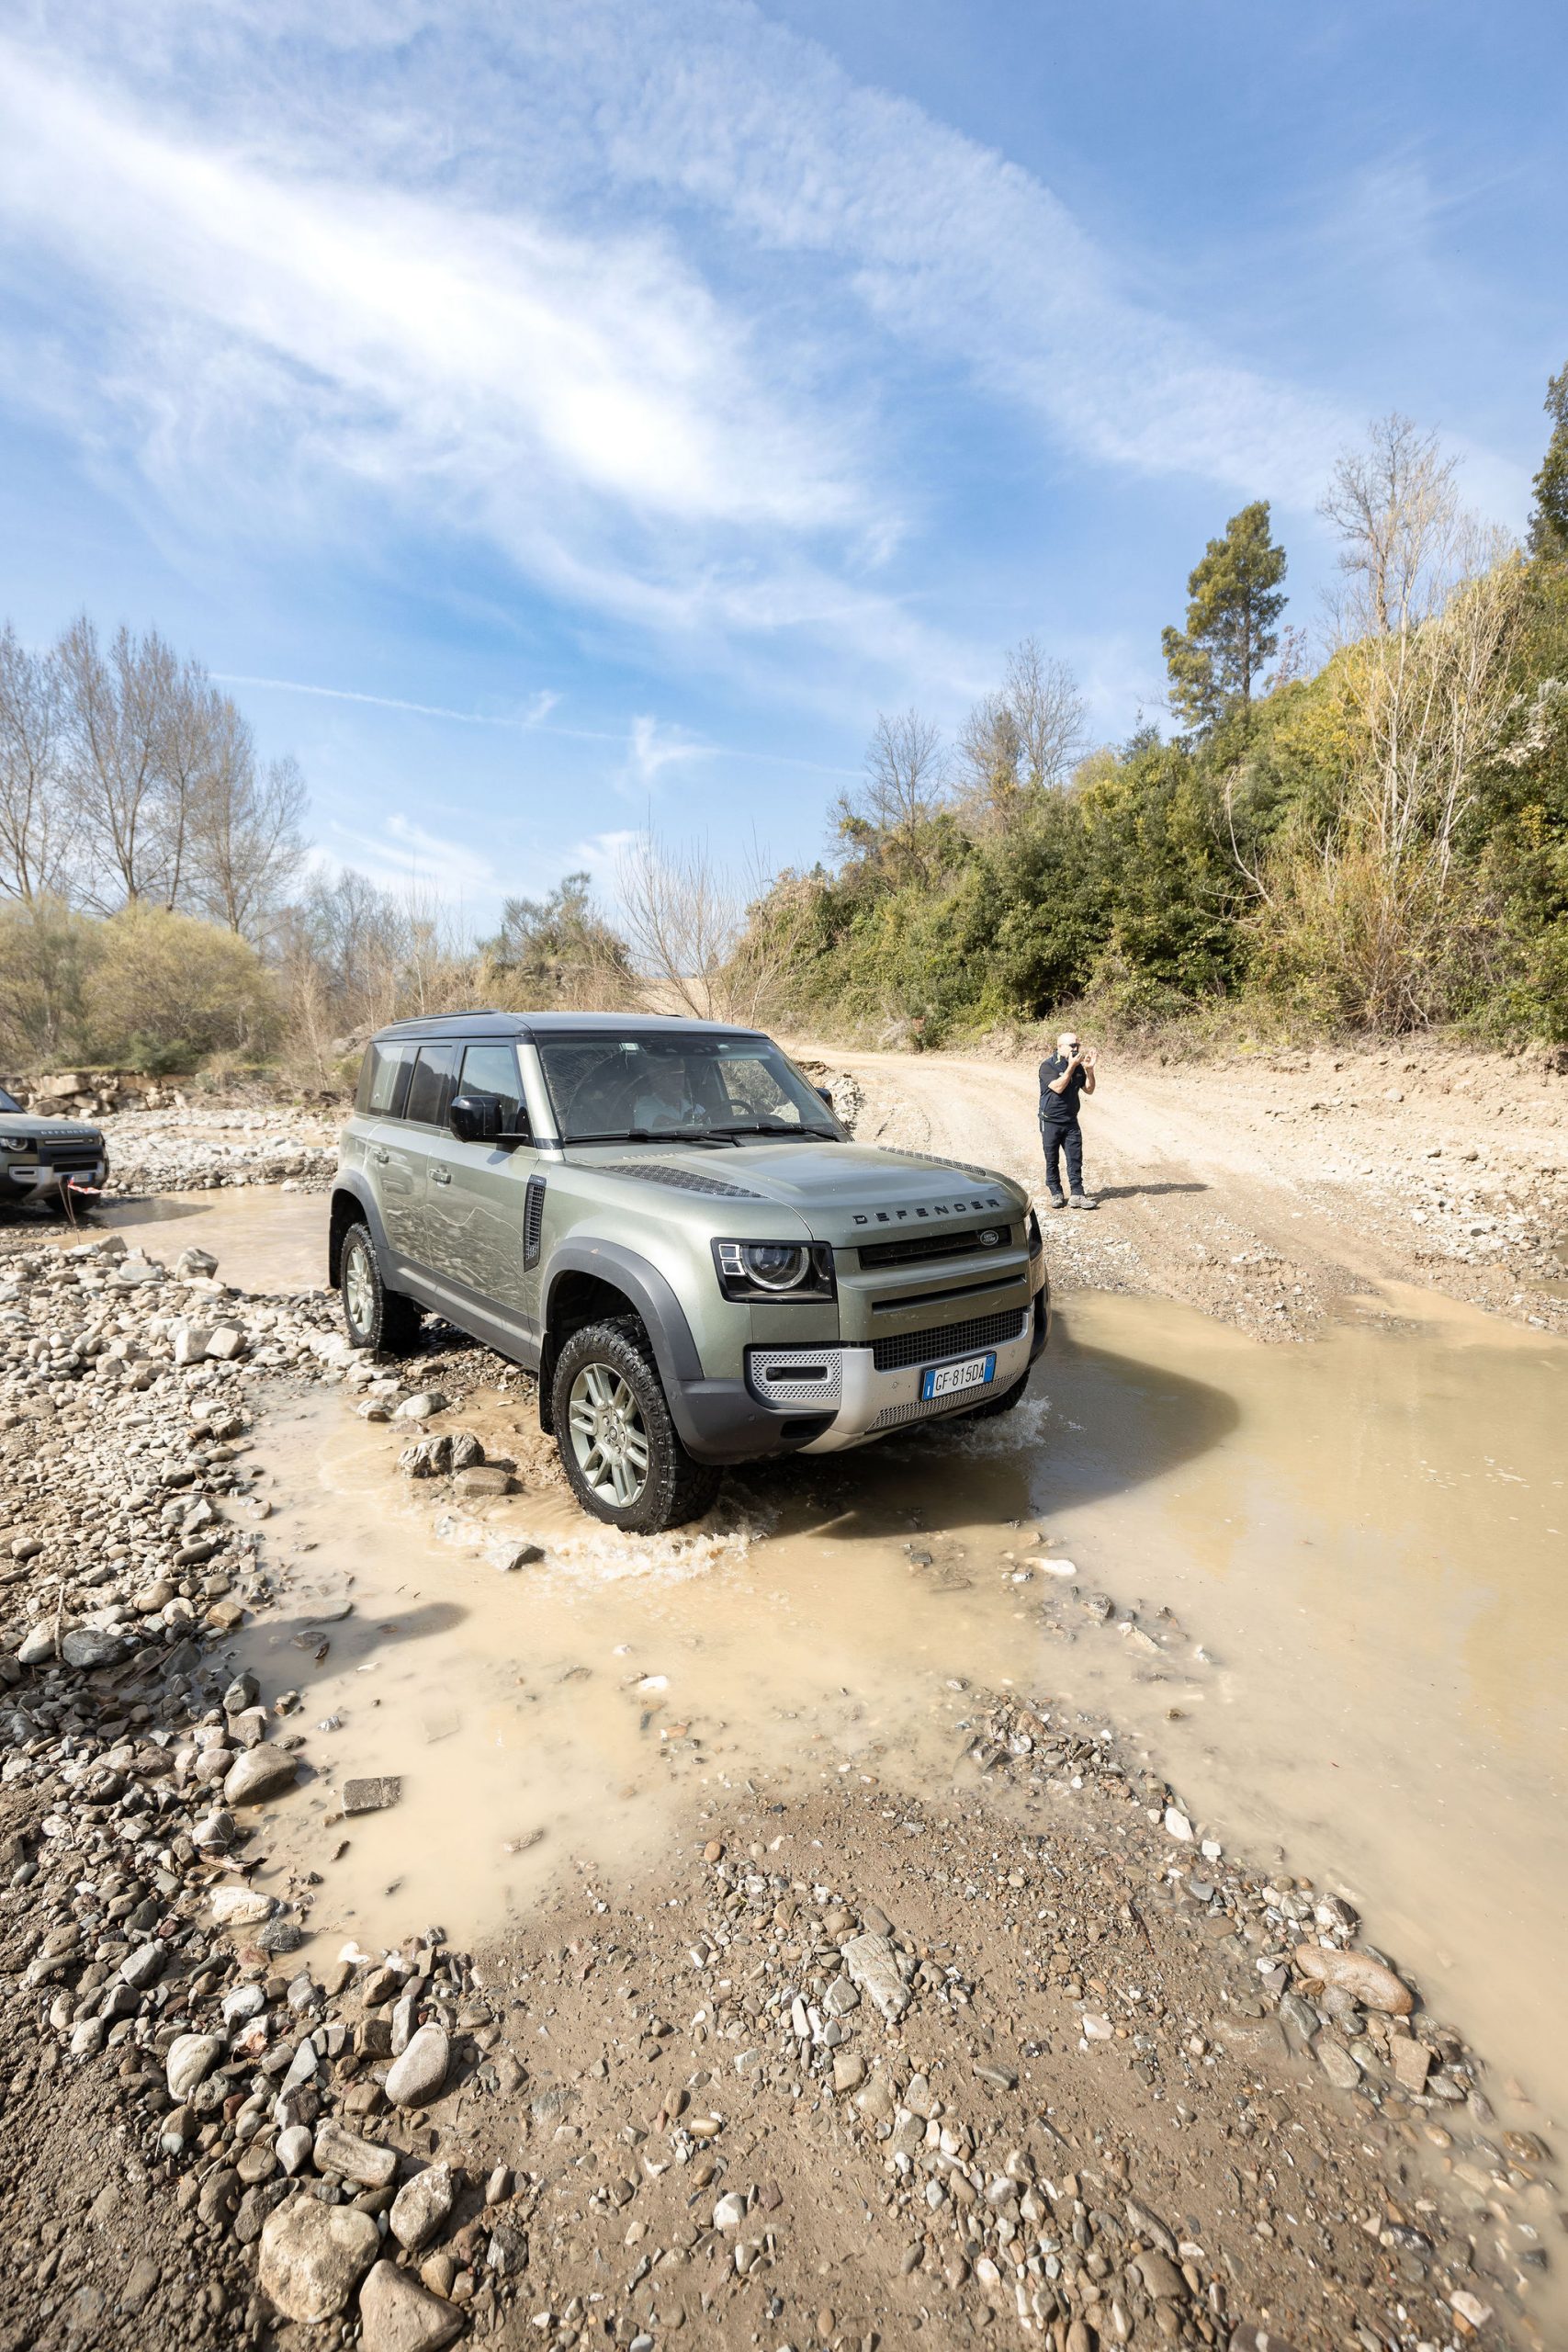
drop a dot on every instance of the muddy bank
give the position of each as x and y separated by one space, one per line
843 1974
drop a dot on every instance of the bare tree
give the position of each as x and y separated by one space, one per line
1395 508
1022 741
37 818
683 916
905 784
117 731
244 832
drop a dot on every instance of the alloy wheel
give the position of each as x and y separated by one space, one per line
608 1436
359 1289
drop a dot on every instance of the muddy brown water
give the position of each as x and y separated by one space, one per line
1360 1544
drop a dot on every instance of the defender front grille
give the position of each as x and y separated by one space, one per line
950 1339
71 1155
910 1247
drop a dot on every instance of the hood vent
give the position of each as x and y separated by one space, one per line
680 1180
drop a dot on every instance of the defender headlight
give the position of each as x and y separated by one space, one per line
759 1270
1036 1242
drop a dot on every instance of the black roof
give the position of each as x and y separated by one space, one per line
541 1026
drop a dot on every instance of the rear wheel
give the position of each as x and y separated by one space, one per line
620 1449
383 1320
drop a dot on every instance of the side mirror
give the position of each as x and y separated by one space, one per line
474 1118
827 1098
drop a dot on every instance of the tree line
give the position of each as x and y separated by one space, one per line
1374 838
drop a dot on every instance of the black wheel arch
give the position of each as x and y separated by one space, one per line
596 1282
353 1203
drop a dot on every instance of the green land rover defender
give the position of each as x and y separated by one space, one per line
665 1220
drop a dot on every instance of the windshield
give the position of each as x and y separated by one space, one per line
8 1101
635 1090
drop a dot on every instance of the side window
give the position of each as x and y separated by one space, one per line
491 1072
430 1088
382 1078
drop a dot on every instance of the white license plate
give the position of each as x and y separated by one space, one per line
952 1379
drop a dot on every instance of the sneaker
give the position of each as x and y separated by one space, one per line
1058 1200
1083 1201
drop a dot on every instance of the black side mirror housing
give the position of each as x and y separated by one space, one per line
826 1097
475 1118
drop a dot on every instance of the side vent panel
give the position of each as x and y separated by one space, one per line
533 1221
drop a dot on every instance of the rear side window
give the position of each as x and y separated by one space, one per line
491 1072
430 1088
382 1076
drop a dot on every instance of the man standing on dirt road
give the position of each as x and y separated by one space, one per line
1067 1073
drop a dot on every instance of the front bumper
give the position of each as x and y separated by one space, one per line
32 1178
864 1402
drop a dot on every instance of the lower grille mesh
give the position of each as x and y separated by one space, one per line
949 1339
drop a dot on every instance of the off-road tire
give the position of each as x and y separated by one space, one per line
676 1488
382 1320
1004 1403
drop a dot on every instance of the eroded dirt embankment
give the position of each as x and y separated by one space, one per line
916 2005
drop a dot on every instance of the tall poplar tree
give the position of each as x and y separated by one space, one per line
1234 605
1549 518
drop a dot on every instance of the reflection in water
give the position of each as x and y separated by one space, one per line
1361 1543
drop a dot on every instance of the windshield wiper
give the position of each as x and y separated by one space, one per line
719 1136
791 1134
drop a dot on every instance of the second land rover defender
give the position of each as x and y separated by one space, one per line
665 1220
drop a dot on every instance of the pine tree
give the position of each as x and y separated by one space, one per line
1234 604
1549 519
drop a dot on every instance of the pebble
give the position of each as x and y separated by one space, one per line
419 2074
372 1795
241 1906
1357 1973
344 2156
396 2315
191 2059
422 2206
261 1772
420 1407
1336 2061
313 2255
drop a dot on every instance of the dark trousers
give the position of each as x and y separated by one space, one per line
1059 1138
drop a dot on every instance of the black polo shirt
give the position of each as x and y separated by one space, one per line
1059 1110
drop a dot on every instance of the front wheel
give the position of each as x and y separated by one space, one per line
621 1451
381 1319
1002 1403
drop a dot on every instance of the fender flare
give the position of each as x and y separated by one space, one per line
359 1189
663 1318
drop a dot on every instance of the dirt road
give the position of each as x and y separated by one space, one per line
1263 1191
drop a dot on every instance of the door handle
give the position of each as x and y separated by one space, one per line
379 1156
441 1175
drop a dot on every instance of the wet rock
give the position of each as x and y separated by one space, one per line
261 1772
420 2209
464 1451
191 2059
427 1457
1411 2062
396 2315
241 1906
420 1407
1357 1973
418 2076
343 2155
313 2255
487 1480
373 1795
520 1556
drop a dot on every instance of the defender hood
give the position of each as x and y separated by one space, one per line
839 1190
29 1127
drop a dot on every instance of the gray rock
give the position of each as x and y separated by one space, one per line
292 2147
1336 2061
91 1646
191 2059
243 1692
140 1967
373 1795
465 1452
487 1478
419 2074
37 1647
195 1262
421 2207
420 1407
261 1772
241 1906
343 2155
520 1556
398 2315
313 2255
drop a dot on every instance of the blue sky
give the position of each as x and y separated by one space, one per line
583 410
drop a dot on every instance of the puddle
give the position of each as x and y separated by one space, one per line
264 1239
1365 1537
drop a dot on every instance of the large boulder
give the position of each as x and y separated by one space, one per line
313 2256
